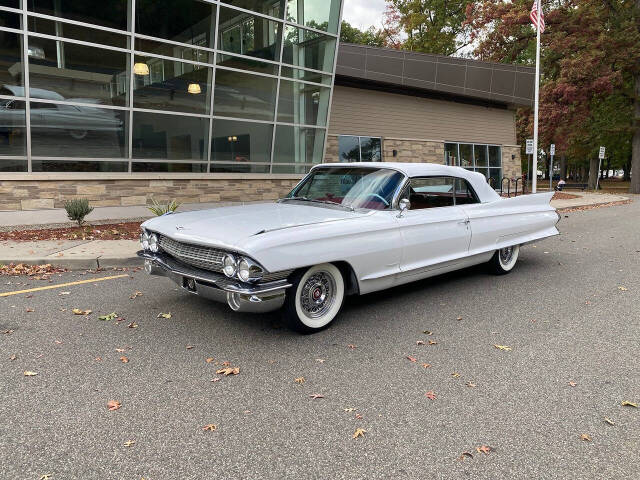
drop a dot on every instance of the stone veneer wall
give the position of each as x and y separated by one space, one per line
37 194
511 168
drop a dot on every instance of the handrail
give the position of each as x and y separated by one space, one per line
516 190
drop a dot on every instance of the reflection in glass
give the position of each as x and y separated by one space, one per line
247 34
10 19
241 63
157 135
60 130
169 167
184 21
495 174
239 168
318 14
303 103
108 13
298 144
77 73
77 166
466 155
298 74
243 95
12 127
370 149
69 30
11 165
170 50
480 155
170 85
304 48
299 169
241 142
348 148
451 154
495 158
11 58
273 8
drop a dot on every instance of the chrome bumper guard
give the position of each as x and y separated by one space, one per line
241 297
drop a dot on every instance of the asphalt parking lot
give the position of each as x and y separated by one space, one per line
568 319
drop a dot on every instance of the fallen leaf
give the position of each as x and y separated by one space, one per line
420 342
64 293
124 359
29 310
465 454
119 350
629 404
349 410
359 433
113 405
430 395
133 325
609 421
189 347
57 342
217 379
299 380
624 289
428 332
316 396
129 443
471 385
426 365
503 347
455 375
228 371
484 449
459 318
320 360
210 359
358 416
572 384
7 332
432 342
226 364
412 359
13 357
586 437
110 316
28 373
77 311
352 346
210 428
135 295
164 315
45 476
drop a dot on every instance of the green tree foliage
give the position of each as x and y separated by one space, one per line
589 59
371 36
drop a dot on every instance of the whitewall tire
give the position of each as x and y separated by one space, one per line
504 260
314 298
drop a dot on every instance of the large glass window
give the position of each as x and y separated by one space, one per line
71 31
12 128
107 13
61 130
241 63
247 34
50 165
298 145
318 14
11 59
184 21
169 85
359 149
303 103
243 95
67 71
241 142
273 8
486 159
308 49
157 135
306 75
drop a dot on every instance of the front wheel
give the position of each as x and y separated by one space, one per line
504 260
314 298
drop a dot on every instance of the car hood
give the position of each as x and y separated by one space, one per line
230 227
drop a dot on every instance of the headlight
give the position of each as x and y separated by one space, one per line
229 265
249 271
144 240
153 243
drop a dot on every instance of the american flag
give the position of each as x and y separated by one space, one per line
537 16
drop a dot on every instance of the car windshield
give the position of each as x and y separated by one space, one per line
350 187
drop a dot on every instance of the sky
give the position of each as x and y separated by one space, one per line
364 13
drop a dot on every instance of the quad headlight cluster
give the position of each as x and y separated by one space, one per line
149 241
242 268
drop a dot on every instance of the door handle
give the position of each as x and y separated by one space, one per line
464 222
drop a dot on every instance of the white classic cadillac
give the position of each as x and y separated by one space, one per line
345 229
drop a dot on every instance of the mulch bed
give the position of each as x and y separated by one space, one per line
114 231
564 196
38 272
593 207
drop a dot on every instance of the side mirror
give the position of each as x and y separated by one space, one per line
404 205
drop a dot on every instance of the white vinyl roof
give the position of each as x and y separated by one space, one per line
477 180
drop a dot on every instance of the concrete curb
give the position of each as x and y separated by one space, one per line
79 263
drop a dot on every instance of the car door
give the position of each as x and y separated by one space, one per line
434 230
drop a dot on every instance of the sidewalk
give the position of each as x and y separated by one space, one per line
91 254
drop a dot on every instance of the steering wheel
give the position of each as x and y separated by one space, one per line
386 204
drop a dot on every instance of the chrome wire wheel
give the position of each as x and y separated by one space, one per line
505 255
317 294
506 258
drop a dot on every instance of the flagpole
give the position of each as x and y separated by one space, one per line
534 163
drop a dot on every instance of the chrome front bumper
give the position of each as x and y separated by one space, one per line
241 297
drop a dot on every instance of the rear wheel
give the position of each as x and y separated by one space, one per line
315 298
504 260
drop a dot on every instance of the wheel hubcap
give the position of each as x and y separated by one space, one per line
318 294
506 254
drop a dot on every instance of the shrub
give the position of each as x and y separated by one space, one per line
77 209
161 209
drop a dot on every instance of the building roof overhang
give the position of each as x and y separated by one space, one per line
436 76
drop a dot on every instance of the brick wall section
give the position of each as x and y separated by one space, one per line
331 153
412 151
511 168
33 194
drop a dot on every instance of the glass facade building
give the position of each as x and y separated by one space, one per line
181 86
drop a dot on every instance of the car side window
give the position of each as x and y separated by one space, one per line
464 193
431 192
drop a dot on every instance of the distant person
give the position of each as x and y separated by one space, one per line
561 184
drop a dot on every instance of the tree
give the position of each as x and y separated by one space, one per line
371 36
635 179
431 26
